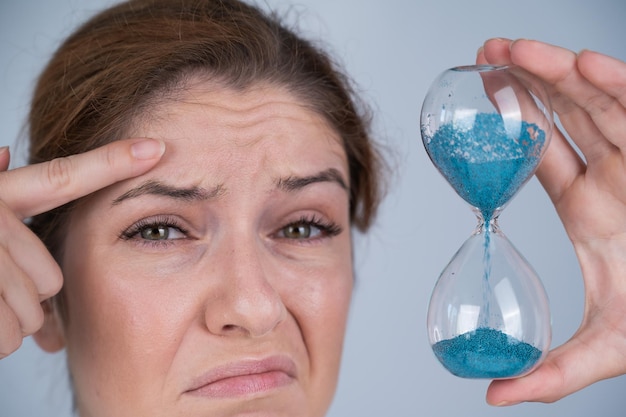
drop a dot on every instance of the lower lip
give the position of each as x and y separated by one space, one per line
243 385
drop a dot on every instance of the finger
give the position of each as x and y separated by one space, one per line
20 295
29 253
516 87
560 167
495 51
5 158
605 72
607 107
514 94
578 103
10 331
54 183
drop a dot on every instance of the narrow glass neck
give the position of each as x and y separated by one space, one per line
487 224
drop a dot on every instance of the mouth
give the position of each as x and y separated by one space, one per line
245 378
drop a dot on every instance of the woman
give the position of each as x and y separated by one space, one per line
218 282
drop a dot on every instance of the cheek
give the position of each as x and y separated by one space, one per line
109 307
121 336
319 300
320 307
323 297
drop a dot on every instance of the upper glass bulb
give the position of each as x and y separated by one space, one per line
486 129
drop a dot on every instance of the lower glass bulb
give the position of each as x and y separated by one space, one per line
489 315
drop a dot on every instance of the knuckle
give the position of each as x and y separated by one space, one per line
59 173
53 284
7 217
10 346
110 156
599 103
34 322
10 337
111 159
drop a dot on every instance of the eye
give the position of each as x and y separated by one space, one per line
300 231
309 229
160 232
155 230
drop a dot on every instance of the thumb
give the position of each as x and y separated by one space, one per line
5 158
593 354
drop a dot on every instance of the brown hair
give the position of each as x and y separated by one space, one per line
137 52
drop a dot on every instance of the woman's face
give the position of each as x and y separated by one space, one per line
217 284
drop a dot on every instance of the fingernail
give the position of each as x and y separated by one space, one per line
147 149
498 39
506 403
515 41
480 50
3 149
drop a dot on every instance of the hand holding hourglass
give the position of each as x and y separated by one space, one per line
588 92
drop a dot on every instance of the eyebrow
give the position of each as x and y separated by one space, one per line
195 193
152 187
294 183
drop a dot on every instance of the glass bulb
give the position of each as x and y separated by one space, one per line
486 129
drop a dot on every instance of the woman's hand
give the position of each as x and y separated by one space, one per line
28 273
588 92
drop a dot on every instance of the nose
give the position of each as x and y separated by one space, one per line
246 303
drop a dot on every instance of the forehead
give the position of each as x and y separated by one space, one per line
260 130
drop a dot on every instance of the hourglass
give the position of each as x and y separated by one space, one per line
486 128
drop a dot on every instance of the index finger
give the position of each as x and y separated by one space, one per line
592 116
34 189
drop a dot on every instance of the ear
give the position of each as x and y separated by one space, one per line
50 337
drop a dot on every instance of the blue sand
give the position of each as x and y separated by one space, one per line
486 353
485 163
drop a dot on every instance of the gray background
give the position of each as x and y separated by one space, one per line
393 50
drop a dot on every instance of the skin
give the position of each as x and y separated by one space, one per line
147 318
588 92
